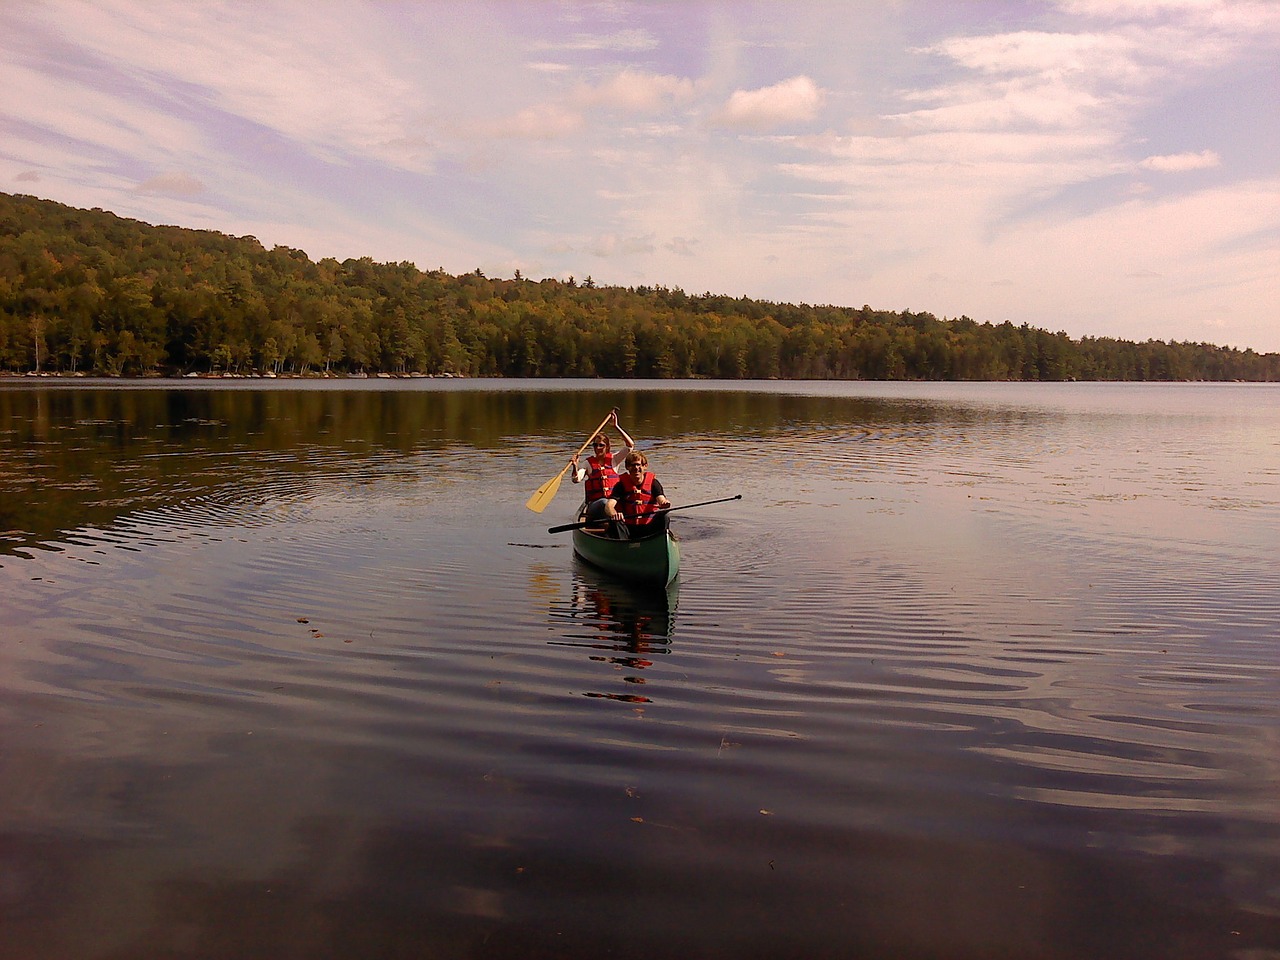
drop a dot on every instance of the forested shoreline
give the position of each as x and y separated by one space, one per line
88 292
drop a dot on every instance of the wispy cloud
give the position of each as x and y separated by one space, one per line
792 101
547 121
172 184
1040 52
637 92
624 41
261 70
1181 162
610 245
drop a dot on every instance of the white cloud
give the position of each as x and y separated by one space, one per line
1039 52
1005 104
546 121
259 68
895 171
611 245
628 91
637 92
623 41
1131 8
791 101
97 119
547 66
1181 162
1036 79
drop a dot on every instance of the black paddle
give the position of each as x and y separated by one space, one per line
591 523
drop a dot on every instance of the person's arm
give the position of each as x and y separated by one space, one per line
626 437
659 499
613 501
630 444
576 474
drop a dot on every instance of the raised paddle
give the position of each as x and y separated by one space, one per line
546 493
688 506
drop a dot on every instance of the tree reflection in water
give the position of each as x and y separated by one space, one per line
629 625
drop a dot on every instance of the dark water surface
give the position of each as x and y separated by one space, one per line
972 671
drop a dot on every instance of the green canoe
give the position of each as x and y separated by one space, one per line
651 559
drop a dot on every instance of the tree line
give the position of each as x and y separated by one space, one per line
90 292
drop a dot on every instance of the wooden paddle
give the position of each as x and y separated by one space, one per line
546 493
591 523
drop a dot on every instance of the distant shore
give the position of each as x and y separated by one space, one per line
9 375
315 375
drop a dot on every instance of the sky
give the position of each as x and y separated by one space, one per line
1106 168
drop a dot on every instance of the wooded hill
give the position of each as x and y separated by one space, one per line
88 291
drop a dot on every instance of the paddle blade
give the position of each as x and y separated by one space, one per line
545 493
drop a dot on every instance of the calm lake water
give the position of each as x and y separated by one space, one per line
288 670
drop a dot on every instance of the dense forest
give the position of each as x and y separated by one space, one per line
85 291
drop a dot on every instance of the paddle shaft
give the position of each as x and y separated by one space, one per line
688 506
543 495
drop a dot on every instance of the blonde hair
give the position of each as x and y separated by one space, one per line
635 456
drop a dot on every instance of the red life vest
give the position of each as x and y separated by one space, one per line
637 504
600 478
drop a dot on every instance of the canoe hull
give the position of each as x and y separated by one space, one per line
652 560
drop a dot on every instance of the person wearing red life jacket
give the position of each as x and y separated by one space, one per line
637 498
601 471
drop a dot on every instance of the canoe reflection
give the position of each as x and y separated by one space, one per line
624 626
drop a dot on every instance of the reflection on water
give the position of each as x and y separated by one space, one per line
971 671
623 626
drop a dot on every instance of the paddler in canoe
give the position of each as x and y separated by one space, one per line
626 533
601 472
637 499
